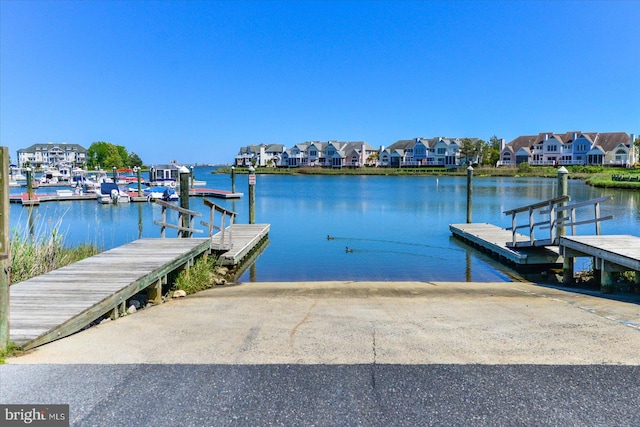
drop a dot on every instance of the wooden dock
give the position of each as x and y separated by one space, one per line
616 253
493 240
64 301
244 237
208 192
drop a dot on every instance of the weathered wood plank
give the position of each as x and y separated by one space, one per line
245 237
62 302
623 250
494 239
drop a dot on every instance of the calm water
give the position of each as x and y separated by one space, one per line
397 227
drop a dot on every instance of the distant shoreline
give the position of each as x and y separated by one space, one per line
594 176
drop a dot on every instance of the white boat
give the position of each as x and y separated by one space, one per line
110 193
161 193
16 176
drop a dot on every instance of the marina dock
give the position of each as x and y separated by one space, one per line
65 301
245 238
493 240
611 254
37 199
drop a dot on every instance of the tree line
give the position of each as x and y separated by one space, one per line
480 152
107 155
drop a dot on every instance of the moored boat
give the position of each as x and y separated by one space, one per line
111 193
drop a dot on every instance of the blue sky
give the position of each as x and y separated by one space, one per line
195 80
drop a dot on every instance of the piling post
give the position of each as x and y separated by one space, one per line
563 190
138 175
252 195
184 197
469 193
192 178
5 252
115 176
29 183
233 179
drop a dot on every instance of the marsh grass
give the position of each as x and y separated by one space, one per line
35 252
198 277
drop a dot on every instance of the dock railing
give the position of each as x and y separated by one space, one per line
182 230
557 218
550 207
225 229
570 220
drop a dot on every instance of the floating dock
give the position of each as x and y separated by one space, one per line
220 194
36 199
493 240
244 236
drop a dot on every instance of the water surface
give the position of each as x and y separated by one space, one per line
396 228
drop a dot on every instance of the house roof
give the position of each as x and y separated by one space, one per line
47 146
607 140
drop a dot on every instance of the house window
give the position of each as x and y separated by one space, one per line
313 153
442 150
552 148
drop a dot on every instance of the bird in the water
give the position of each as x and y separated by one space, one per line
330 237
348 249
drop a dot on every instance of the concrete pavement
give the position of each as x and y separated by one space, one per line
364 323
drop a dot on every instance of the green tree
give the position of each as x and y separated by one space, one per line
467 150
97 153
493 153
135 160
107 155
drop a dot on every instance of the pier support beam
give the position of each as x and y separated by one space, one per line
567 270
154 293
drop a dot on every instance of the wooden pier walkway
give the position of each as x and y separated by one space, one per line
64 301
615 253
493 240
245 238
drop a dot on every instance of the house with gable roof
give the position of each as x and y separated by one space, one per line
439 151
52 155
261 155
571 148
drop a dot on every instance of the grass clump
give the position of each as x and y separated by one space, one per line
202 275
35 255
11 350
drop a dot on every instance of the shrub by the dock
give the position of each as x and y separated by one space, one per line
35 255
202 275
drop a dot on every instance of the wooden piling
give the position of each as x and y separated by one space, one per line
252 195
184 197
5 249
469 193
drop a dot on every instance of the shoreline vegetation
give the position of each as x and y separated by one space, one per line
596 176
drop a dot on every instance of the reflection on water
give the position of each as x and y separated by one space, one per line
398 227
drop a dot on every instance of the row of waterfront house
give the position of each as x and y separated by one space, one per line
570 148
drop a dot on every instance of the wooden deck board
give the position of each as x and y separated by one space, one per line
623 250
62 302
245 238
494 239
